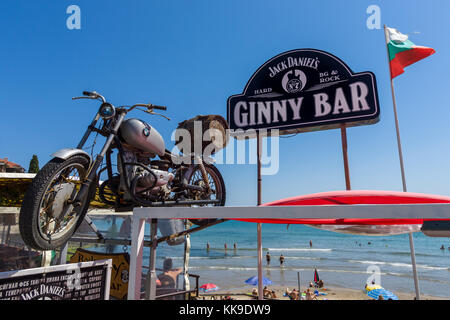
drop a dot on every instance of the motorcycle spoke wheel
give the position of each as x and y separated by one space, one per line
47 217
56 218
217 190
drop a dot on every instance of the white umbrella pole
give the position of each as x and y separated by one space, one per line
402 168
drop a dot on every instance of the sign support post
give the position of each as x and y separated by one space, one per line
345 155
402 168
259 226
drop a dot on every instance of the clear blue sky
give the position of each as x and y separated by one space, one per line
192 55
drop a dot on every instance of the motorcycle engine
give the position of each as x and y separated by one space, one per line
154 181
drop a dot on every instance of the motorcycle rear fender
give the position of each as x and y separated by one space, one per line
69 152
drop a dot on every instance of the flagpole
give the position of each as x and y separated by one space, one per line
402 168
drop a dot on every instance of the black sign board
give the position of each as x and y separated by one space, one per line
305 90
82 281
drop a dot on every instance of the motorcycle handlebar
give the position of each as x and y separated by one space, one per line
158 107
90 95
95 95
149 106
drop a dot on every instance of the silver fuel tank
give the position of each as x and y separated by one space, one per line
142 136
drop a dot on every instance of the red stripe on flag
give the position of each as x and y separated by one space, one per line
408 57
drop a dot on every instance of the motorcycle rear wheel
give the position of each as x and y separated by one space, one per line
217 186
47 220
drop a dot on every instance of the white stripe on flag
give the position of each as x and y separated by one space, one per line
396 36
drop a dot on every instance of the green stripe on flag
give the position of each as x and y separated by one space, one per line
395 48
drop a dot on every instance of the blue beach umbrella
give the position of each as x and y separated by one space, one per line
253 281
387 295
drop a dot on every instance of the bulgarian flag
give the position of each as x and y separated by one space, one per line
402 52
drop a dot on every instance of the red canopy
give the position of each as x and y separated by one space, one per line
354 197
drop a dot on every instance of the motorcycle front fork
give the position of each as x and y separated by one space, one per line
92 173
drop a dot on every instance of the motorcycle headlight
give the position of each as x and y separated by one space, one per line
107 110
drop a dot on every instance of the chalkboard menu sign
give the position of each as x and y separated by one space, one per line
76 281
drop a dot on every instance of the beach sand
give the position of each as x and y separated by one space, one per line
331 294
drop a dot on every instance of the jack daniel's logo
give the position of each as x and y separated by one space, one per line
294 81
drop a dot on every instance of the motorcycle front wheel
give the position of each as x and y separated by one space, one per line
47 218
216 185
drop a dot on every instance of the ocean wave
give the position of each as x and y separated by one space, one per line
228 268
394 253
225 268
299 249
304 258
216 257
367 262
398 264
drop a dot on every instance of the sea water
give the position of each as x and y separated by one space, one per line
341 260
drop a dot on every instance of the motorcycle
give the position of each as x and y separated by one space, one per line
59 196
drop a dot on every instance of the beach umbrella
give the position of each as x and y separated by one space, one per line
387 295
254 281
316 276
208 287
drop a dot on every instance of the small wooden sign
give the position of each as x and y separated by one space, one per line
119 273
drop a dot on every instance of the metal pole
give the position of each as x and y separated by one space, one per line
63 253
150 292
402 168
187 251
345 155
258 228
298 279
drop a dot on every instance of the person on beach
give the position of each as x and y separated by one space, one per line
310 295
274 295
293 295
310 243
234 246
442 248
267 293
207 246
168 279
281 260
268 258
